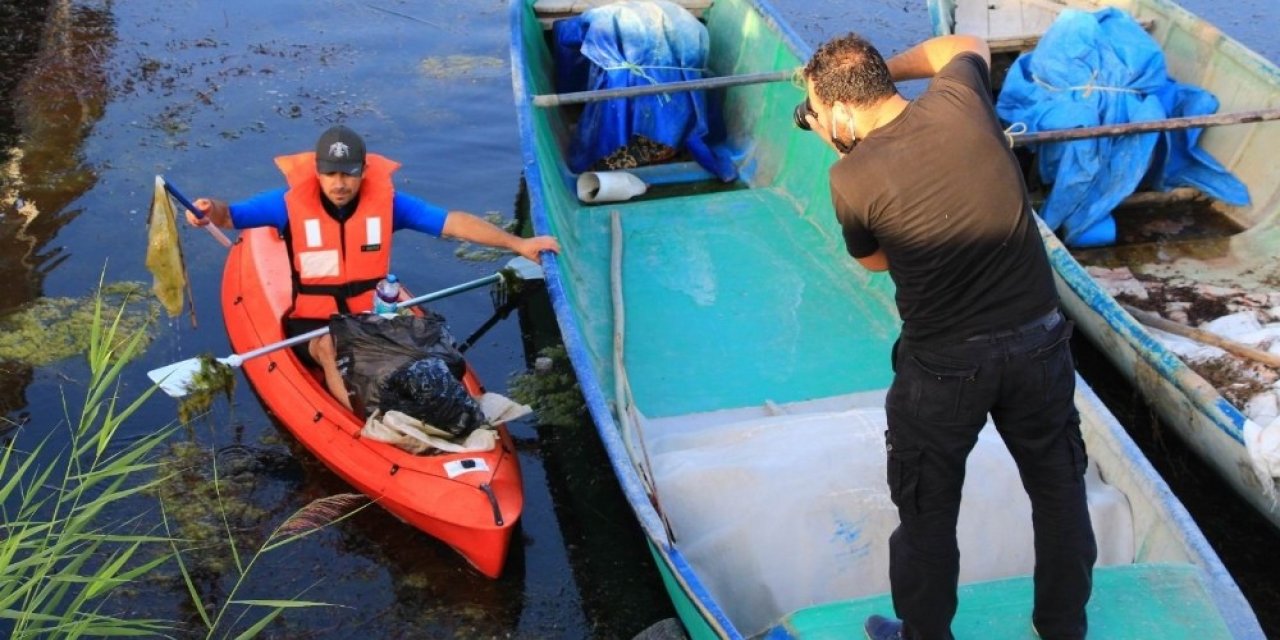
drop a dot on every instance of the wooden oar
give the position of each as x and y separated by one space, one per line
1200 335
175 379
579 97
182 200
1170 124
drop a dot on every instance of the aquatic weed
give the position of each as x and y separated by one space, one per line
52 329
212 380
483 253
551 389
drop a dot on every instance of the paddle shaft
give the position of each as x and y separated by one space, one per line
182 200
1171 124
237 359
1199 335
579 97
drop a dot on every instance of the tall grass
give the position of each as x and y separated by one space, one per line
80 523
63 548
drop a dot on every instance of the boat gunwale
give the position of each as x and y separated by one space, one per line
1226 596
1205 398
575 343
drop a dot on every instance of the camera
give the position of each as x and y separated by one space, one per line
803 109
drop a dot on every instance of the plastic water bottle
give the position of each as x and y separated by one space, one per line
385 296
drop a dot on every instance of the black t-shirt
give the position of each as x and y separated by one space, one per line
939 190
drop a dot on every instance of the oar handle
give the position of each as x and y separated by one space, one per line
1169 124
236 359
444 293
182 200
578 97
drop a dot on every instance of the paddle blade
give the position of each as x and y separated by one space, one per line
176 379
523 268
164 252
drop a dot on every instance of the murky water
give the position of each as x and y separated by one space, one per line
97 97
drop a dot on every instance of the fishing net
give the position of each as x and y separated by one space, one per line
164 255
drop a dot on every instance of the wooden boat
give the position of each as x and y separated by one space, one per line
1239 254
470 501
735 359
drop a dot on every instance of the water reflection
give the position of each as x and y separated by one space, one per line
55 75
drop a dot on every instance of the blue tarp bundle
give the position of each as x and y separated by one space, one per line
633 44
1101 68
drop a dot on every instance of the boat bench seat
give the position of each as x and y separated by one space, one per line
548 11
761 506
1014 26
1027 42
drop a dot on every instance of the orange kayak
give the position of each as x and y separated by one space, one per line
470 501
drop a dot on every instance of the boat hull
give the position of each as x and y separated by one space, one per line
1210 425
706 321
470 501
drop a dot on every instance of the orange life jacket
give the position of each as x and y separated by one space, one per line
336 265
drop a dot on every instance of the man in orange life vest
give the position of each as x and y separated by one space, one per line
333 214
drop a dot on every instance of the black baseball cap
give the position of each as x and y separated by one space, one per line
340 150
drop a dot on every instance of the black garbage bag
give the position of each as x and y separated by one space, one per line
428 391
371 348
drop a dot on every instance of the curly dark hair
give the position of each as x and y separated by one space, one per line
850 70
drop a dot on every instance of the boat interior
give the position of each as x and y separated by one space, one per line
1182 233
725 323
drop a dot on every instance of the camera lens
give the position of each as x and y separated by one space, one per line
799 114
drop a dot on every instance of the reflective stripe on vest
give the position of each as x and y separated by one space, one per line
336 265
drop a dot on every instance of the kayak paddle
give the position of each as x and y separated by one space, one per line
175 379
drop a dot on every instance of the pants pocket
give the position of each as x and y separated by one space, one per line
1054 363
904 479
942 388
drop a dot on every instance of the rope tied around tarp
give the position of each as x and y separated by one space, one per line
1015 129
1088 88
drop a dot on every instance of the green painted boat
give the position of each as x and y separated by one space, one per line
1234 250
735 360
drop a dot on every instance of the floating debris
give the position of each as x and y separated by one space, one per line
50 329
484 253
459 66
206 504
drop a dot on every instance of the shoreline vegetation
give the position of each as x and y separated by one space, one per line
88 521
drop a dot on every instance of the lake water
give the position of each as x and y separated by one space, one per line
100 96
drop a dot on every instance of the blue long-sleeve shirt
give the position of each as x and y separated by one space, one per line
267 209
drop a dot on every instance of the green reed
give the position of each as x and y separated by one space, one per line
64 547
76 532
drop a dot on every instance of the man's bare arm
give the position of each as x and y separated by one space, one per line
927 58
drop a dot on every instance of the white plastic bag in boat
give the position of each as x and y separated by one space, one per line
415 436
1263 445
1234 326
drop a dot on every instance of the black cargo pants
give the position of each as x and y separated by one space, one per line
939 401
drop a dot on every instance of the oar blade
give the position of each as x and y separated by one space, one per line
175 379
524 268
